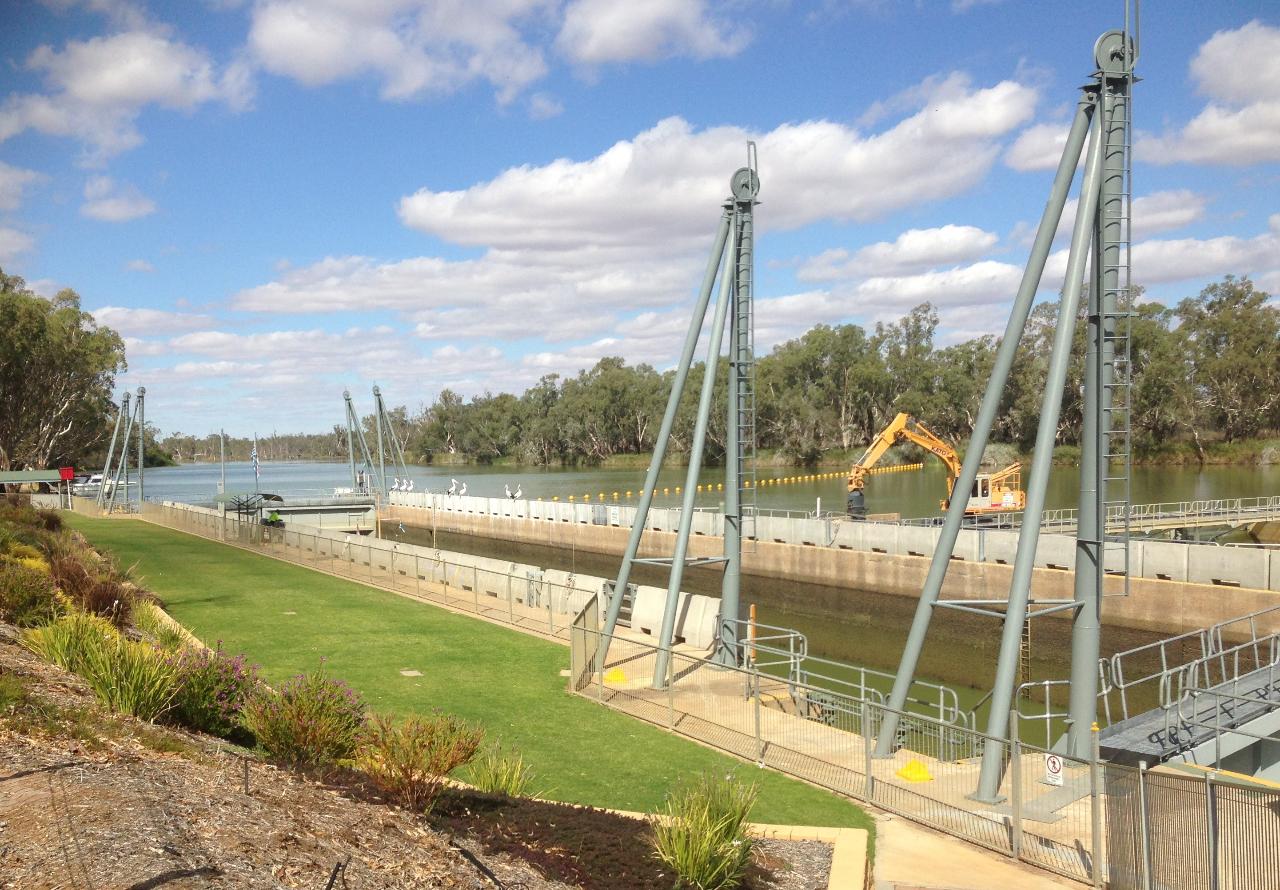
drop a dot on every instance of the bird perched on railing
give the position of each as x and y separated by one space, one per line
395 486
507 489
463 489
519 494
453 487
408 486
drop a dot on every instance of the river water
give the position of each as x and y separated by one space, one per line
845 624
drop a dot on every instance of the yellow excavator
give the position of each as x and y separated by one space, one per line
998 492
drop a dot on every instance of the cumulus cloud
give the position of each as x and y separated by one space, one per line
98 87
13 243
139 266
13 180
603 31
415 47
1239 70
1038 147
1185 259
110 201
133 322
913 250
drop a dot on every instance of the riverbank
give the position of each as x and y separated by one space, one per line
410 657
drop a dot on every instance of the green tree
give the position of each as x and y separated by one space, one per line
57 371
1232 339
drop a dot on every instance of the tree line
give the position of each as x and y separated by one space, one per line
1204 370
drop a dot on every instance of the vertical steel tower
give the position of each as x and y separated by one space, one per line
735 304
1102 221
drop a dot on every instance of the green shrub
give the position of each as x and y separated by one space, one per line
14 692
67 640
127 676
212 691
311 723
700 834
27 595
408 761
499 772
131 677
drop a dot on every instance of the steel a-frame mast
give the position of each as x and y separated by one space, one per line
1102 116
735 304
382 420
355 432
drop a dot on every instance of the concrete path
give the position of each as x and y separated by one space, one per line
912 857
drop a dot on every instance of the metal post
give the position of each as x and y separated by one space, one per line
664 433
868 744
222 461
1095 807
1091 530
991 398
142 446
1144 826
1041 462
691 476
351 448
759 737
1211 831
111 449
1015 786
740 263
122 468
377 423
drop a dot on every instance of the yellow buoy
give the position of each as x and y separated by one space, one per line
914 771
628 494
615 495
555 497
571 499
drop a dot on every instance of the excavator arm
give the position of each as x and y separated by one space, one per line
902 427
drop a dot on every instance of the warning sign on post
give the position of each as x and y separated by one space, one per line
1052 769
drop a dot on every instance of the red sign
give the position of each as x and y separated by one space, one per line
67 473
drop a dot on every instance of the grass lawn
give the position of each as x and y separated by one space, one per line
286 618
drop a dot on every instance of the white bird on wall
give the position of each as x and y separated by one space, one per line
409 487
395 486
519 494
463 489
507 489
453 488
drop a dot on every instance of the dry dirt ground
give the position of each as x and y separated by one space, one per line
92 800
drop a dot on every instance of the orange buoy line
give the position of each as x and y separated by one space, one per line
710 487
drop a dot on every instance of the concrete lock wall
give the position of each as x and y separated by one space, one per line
1173 586
1158 560
552 589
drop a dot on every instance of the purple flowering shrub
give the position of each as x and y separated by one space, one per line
312 722
213 688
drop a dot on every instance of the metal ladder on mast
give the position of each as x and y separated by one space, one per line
1117 393
746 372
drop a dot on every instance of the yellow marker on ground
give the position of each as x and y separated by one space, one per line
914 771
615 675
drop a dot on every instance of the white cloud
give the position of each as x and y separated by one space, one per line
109 201
1153 213
1240 71
543 106
148 322
13 243
98 87
913 250
602 31
414 46
1038 147
139 266
1184 259
13 180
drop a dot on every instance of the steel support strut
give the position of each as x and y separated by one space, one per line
1005 353
1041 462
664 435
100 498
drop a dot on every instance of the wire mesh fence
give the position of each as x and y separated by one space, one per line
522 596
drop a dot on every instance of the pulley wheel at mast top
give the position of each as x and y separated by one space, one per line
744 184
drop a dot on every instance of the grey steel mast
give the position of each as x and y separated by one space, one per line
1095 115
122 466
121 412
736 224
353 424
142 445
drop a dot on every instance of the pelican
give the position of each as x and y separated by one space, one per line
409 487
453 487
463 489
519 494
395 486
507 489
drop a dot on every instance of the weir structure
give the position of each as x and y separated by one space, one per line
1100 234
733 248
388 444
116 469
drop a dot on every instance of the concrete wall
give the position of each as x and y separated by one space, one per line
1250 567
1153 604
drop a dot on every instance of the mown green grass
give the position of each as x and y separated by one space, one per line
507 681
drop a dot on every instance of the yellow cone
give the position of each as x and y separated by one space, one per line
914 771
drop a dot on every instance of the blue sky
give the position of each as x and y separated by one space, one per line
273 200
